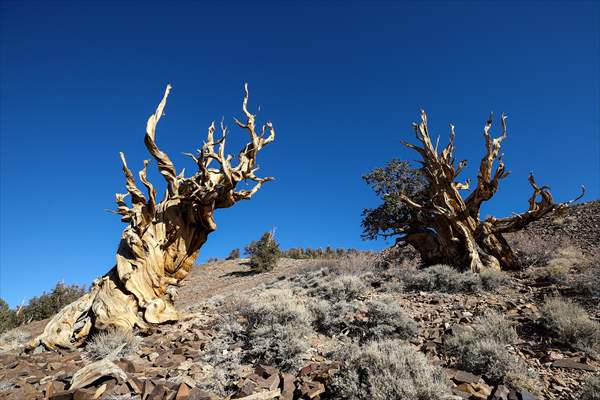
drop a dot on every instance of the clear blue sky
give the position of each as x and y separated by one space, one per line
341 82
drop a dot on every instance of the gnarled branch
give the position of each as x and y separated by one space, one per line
537 209
158 248
165 165
487 185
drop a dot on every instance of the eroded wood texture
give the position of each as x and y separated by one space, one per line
163 238
448 228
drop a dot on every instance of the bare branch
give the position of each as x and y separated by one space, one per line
149 187
486 184
137 197
165 165
537 209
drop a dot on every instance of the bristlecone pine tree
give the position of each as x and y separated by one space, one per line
424 208
161 242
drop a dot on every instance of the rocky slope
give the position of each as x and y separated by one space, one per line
209 354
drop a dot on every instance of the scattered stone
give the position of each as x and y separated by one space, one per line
572 363
288 386
84 394
312 389
39 349
501 392
183 392
465 377
159 393
525 395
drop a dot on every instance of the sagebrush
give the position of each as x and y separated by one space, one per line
108 342
571 325
484 349
388 369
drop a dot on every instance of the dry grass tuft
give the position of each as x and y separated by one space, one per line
571 324
14 339
340 288
484 350
276 328
387 320
588 281
387 370
591 389
106 342
559 264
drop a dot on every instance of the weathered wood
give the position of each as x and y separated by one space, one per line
449 229
98 369
162 239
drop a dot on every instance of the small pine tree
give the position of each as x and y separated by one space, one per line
233 255
7 317
48 304
329 252
264 253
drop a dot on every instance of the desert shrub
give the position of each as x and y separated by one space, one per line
300 253
482 356
13 339
534 250
492 279
588 281
591 389
443 278
334 318
382 318
222 356
275 306
558 265
569 256
384 370
264 253
223 363
281 345
276 328
550 274
340 288
310 280
234 254
494 326
386 319
483 350
107 342
571 324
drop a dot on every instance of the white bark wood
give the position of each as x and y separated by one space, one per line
449 229
163 238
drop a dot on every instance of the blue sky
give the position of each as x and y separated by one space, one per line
341 81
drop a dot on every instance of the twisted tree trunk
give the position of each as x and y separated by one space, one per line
448 228
158 247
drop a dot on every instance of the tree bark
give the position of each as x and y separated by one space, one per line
162 240
451 231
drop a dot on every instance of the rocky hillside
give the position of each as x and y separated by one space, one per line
578 225
352 328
